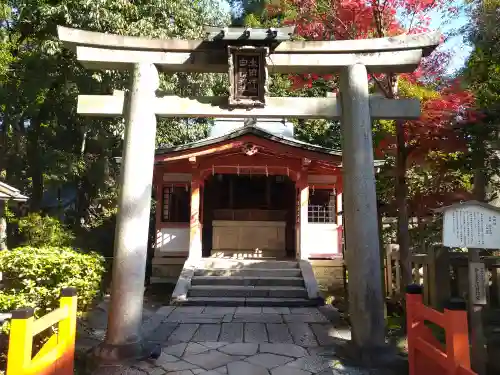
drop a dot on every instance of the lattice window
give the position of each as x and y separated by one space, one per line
176 204
322 206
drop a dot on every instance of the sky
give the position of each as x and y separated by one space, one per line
460 50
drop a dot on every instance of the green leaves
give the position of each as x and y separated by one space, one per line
34 277
40 81
38 230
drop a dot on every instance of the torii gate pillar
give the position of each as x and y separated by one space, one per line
366 304
123 337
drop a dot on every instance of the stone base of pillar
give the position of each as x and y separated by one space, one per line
384 357
105 356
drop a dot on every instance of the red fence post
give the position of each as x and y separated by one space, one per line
413 302
457 335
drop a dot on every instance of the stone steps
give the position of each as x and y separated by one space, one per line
248 280
229 282
248 272
249 301
247 264
249 254
247 291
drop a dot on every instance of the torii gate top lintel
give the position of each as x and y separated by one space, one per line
398 54
426 41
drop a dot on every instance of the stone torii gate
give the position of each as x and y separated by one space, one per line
217 53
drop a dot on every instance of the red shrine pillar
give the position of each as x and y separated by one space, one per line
195 248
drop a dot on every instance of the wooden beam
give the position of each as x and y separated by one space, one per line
426 41
209 151
276 107
216 62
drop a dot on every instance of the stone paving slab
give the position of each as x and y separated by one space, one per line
231 332
211 340
276 310
305 318
206 358
207 332
279 333
255 332
258 318
302 334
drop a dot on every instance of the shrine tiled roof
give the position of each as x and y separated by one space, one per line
254 130
8 192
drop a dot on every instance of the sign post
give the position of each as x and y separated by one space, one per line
473 225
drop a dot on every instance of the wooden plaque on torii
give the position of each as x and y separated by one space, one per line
247 76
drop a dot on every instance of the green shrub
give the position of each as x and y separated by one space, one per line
34 277
41 231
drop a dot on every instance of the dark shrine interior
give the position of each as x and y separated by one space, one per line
249 197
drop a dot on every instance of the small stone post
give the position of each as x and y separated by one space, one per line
366 304
123 338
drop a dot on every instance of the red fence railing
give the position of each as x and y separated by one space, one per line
426 355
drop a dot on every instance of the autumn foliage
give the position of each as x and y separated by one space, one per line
445 105
439 127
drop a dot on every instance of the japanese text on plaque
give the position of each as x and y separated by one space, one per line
247 75
471 227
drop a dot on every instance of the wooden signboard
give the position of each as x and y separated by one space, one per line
248 76
472 226
477 277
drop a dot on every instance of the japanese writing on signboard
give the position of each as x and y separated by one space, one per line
471 226
477 274
248 76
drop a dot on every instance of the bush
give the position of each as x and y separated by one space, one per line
34 277
41 231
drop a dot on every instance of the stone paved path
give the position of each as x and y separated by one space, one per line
246 341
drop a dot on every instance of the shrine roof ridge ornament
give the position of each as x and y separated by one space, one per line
426 42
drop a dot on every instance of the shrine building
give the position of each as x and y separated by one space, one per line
251 190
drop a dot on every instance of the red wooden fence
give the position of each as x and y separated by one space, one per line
426 355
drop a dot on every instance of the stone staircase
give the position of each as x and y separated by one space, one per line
235 282
249 254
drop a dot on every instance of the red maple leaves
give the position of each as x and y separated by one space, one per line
436 129
443 114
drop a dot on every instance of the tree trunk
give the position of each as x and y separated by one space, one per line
401 191
480 183
16 157
34 157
